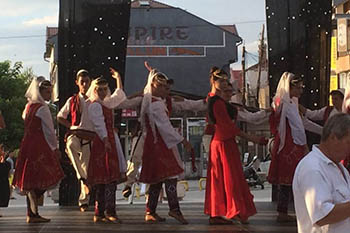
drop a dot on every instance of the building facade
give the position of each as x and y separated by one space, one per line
340 60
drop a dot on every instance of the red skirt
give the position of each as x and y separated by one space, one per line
37 166
284 163
103 166
227 192
158 162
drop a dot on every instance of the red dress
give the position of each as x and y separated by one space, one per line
227 192
284 163
104 166
37 166
158 162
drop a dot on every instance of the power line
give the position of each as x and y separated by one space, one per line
247 22
21 37
36 36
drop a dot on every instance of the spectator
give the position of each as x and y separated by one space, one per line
2 121
321 183
4 182
11 161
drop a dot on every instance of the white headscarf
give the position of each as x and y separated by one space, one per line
346 101
282 97
93 96
33 94
146 102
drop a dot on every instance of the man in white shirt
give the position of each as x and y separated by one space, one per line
74 116
321 183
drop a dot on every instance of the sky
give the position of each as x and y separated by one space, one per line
23 26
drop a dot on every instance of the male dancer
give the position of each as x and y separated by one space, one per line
74 116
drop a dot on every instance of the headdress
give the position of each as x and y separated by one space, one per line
92 92
82 72
33 92
154 75
282 96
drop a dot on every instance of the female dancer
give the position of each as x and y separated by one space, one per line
161 162
107 163
290 145
38 166
227 192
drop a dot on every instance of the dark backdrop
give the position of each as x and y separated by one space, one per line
92 35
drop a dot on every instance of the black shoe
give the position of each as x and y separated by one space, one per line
126 191
178 216
83 207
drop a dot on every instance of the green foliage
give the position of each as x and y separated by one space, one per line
13 85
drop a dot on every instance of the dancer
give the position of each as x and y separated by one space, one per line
227 192
161 162
80 133
37 167
106 162
290 145
137 149
326 112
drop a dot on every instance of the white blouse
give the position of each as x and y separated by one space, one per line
318 114
95 112
133 103
189 105
159 113
295 123
255 118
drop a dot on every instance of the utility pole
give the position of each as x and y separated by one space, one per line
243 77
244 142
261 57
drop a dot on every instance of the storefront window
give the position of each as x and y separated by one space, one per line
195 131
177 123
342 79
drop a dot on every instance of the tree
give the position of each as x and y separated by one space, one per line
13 85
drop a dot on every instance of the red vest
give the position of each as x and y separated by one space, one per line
75 110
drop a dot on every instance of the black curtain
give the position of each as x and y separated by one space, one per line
92 35
299 33
299 39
